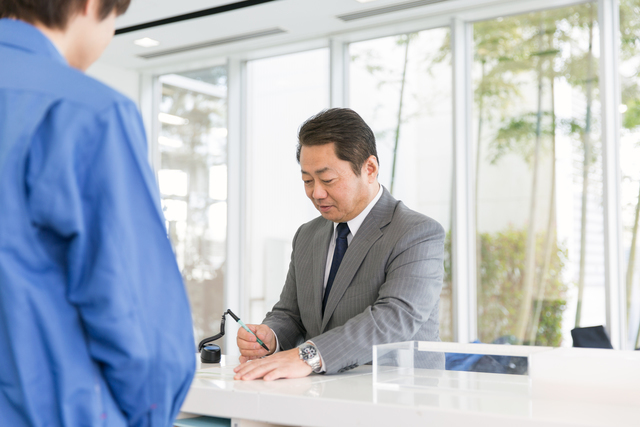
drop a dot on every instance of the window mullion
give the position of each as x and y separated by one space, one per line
608 11
236 218
463 222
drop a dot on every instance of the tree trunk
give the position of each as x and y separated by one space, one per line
479 298
585 176
551 226
395 147
632 258
530 249
638 338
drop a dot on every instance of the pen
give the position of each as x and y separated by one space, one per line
246 328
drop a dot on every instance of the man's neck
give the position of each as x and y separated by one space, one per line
57 37
373 191
363 214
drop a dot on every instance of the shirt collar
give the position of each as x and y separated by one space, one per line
24 36
356 222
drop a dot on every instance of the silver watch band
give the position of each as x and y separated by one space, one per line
309 354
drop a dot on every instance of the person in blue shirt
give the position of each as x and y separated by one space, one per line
95 326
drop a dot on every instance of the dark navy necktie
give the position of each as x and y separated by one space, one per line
342 232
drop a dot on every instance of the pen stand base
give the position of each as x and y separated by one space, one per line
210 354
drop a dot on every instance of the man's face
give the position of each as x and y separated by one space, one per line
335 190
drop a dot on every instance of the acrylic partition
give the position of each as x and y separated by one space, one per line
483 375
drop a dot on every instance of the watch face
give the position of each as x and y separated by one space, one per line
308 352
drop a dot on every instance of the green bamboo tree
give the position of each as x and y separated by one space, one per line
504 49
551 224
580 71
524 135
395 74
632 121
496 90
530 256
630 49
404 40
548 31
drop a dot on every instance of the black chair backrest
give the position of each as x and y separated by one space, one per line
591 337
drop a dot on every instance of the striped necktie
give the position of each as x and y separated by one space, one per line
342 232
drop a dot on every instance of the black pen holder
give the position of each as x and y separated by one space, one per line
210 353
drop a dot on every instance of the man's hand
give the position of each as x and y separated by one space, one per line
249 347
285 364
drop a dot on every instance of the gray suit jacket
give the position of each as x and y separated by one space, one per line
386 290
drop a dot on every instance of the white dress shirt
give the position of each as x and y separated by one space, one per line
354 226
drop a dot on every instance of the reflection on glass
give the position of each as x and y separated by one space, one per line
538 176
401 86
283 92
193 186
630 159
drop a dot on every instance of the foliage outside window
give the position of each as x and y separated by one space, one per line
630 158
538 158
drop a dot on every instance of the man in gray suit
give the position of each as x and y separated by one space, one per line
367 271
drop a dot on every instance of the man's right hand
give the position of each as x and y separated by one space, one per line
249 347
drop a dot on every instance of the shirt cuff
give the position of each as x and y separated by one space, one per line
277 342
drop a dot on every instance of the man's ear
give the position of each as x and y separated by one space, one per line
370 168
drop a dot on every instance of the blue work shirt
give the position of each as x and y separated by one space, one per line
95 326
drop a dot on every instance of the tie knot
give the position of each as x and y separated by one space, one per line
343 230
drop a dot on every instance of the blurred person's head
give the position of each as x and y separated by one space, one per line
80 29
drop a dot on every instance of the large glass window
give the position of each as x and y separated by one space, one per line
192 175
630 159
538 176
401 86
538 170
282 93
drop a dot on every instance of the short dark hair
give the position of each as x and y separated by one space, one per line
55 13
353 138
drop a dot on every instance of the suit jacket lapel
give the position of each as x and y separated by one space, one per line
367 235
320 248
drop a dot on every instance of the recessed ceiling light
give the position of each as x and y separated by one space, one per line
364 1
146 42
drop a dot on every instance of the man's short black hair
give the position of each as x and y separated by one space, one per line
55 13
353 138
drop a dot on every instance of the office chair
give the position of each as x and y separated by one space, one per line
591 337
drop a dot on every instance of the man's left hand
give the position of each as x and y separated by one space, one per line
284 364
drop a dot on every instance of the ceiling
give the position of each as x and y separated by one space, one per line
299 20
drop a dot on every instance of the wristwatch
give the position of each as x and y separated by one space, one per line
309 354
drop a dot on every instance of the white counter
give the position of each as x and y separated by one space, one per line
350 399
